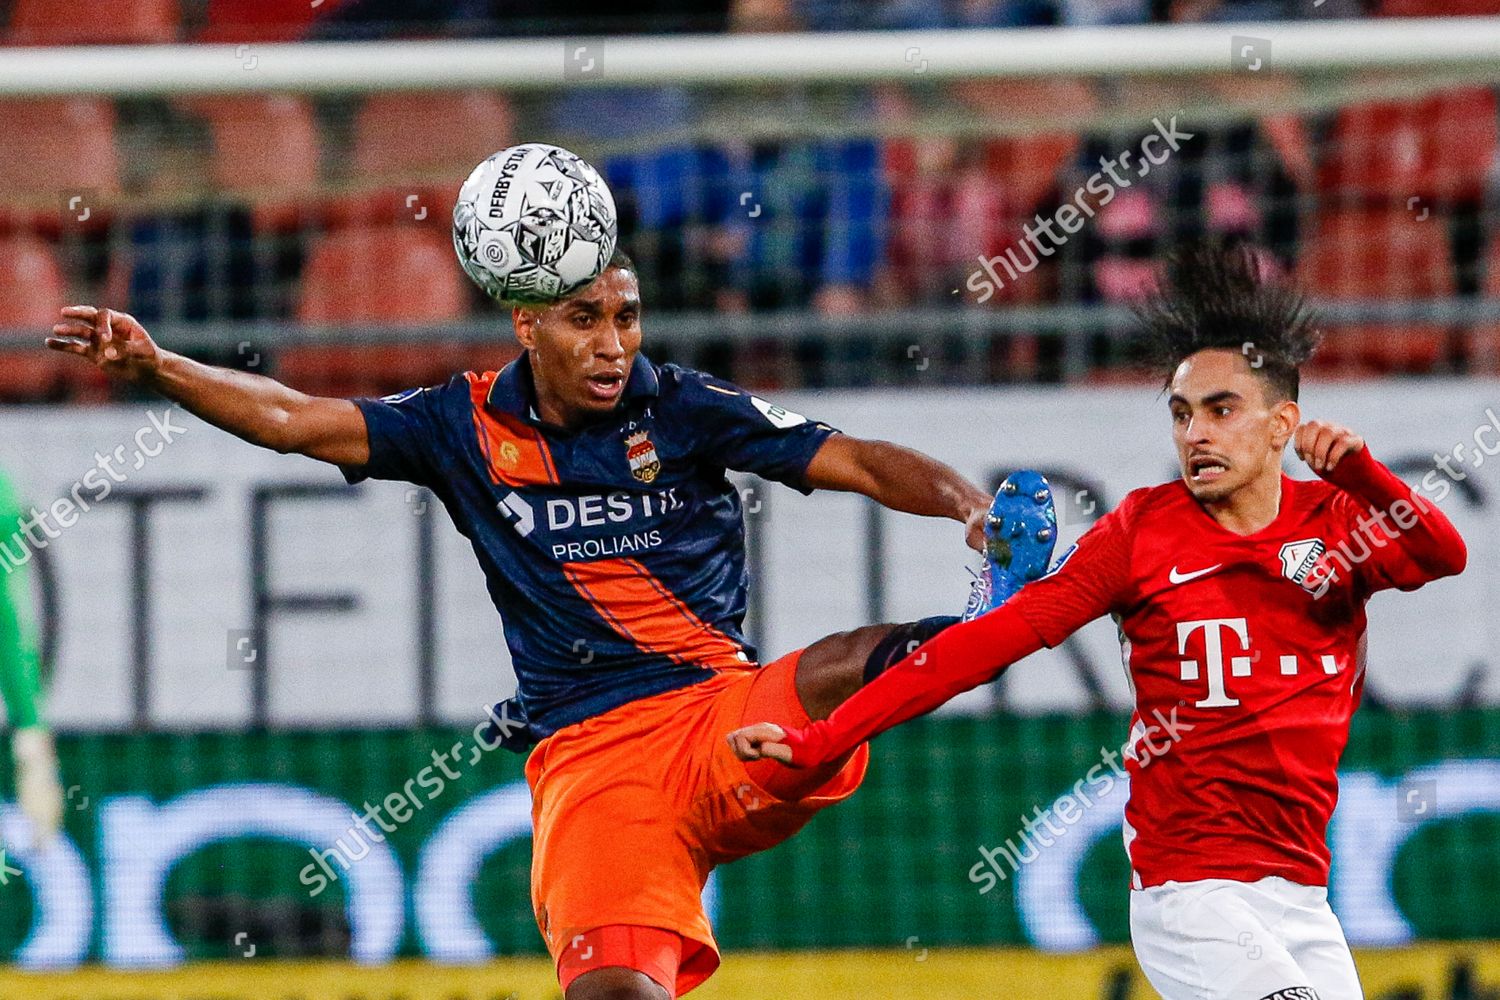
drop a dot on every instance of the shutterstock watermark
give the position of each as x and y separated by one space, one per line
1096 192
400 806
1486 439
150 440
1148 741
1366 540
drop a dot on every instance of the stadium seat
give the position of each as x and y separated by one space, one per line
412 152
1439 8
1121 375
1130 226
1378 255
949 210
32 290
66 22
229 21
382 274
1438 149
944 212
347 370
1286 133
1483 342
53 151
265 149
1027 166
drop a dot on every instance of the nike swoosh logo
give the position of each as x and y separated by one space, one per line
1177 577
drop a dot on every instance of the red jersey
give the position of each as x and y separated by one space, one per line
1245 655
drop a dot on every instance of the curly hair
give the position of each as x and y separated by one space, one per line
1212 295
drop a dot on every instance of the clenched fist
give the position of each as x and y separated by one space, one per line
762 740
1322 445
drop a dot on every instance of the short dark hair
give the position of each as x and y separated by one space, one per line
620 259
1212 295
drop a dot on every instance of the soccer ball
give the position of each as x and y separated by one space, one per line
533 224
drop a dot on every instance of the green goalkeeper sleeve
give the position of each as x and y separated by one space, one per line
20 680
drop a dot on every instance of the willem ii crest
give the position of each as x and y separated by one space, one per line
641 454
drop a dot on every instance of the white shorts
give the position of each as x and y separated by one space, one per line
1222 940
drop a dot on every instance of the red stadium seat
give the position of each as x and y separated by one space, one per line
1122 375
1131 218
32 290
951 215
51 151
1378 254
1484 341
229 21
1027 166
67 22
1438 149
413 151
382 274
947 213
957 203
266 149
1439 8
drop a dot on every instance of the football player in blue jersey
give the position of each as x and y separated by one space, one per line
591 482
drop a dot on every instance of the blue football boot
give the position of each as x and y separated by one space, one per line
1019 535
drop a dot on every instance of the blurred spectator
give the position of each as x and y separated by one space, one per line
194 258
811 215
1130 228
1089 13
386 18
674 202
880 15
1198 11
846 15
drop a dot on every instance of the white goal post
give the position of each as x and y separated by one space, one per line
1454 45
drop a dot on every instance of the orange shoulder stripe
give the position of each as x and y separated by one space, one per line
515 452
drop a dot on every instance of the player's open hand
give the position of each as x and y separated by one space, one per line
1322 446
761 741
111 340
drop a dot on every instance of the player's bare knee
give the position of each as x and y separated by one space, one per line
833 668
616 983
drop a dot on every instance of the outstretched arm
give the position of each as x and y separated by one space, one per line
1092 580
258 409
901 479
962 657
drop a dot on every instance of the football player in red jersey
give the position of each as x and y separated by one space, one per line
1240 595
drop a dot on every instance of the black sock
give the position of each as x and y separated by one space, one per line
902 641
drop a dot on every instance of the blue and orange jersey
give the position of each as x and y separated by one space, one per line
615 553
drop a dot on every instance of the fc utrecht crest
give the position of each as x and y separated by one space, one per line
641 454
1300 562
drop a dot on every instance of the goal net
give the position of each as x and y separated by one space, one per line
805 210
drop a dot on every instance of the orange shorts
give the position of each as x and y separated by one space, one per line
632 809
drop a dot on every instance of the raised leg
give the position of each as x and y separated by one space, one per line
616 983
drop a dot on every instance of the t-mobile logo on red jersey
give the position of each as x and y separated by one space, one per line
1239 666
1213 649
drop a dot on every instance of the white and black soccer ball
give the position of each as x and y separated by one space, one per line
533 224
